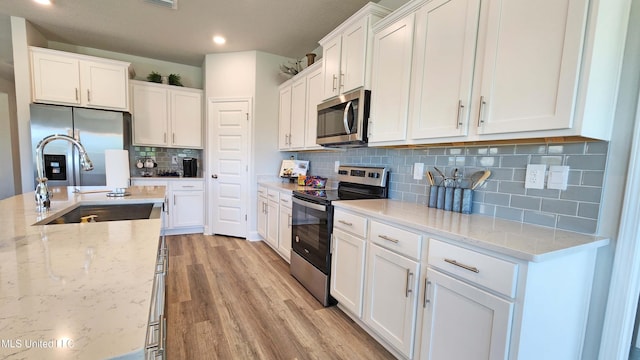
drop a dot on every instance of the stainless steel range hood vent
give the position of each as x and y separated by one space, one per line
172 4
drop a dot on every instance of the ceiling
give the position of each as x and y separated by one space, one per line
284 27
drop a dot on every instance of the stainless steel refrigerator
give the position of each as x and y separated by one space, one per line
97 130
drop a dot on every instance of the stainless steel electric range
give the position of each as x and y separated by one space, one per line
312 224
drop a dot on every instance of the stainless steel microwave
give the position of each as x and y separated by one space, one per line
342 122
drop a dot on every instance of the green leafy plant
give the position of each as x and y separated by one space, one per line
174 79
154 77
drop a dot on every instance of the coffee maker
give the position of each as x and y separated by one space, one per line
190 167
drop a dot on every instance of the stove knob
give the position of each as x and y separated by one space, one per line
374 175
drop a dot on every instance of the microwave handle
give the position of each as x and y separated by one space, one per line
345 118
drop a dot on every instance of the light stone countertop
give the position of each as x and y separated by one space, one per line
522 241
84 289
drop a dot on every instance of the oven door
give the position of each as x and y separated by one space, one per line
311 232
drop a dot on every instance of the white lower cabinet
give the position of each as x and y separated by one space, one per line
392 297
463 322
272 218
347 267
284 230
184 208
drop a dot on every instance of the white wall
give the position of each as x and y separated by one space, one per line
191 76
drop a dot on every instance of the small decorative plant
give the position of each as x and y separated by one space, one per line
154 77
174 79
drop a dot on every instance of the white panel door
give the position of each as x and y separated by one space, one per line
298 114
314 97
186 119
55 78
354 56
392 297
391 75
228 166
347 269
444 52
530 64
104 85
463 322
331 67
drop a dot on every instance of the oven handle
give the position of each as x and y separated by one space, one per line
309 204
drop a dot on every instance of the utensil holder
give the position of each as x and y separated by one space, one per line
440 201
457 200
448 198
467 201
433 196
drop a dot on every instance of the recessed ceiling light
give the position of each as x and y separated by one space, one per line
219 40
43 2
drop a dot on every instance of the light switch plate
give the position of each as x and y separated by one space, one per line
418 171
558 177
535 176
336 166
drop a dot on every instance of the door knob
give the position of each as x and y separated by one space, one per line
214 176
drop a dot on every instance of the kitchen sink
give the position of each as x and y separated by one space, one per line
101 213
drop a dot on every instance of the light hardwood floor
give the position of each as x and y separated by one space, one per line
229 298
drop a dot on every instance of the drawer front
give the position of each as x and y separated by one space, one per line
285 199
351 223
262 191
273 195
401 241
187 185
145 182
493 273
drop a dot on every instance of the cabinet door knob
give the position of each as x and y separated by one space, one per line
214 176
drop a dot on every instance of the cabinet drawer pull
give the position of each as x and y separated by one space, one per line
466 267
407 288
345 222
481 111
187 186
460 107
426 300
385 237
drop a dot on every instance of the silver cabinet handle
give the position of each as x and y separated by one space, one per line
88 95
335 78
165 137
407 288
385 237
426 300
174 199
289 217
466 267
458 121
481 111
76 94
173 137
187 186
345 222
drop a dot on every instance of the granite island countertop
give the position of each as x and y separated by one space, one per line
75 291
518 240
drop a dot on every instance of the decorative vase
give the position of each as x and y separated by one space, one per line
311 58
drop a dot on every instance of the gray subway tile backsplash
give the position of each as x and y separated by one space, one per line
504 194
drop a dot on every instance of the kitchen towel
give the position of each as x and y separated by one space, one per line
117 168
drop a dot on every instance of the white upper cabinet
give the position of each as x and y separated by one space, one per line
392 47
314 97
528 64
70 79
346 52
166 116
498 70
443 60
298 117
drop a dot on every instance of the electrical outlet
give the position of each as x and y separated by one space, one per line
535 176
174 160
418 170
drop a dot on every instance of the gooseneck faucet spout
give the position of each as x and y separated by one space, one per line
43 201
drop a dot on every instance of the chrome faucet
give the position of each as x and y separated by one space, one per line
43 201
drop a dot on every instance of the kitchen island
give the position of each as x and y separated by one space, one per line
75 291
